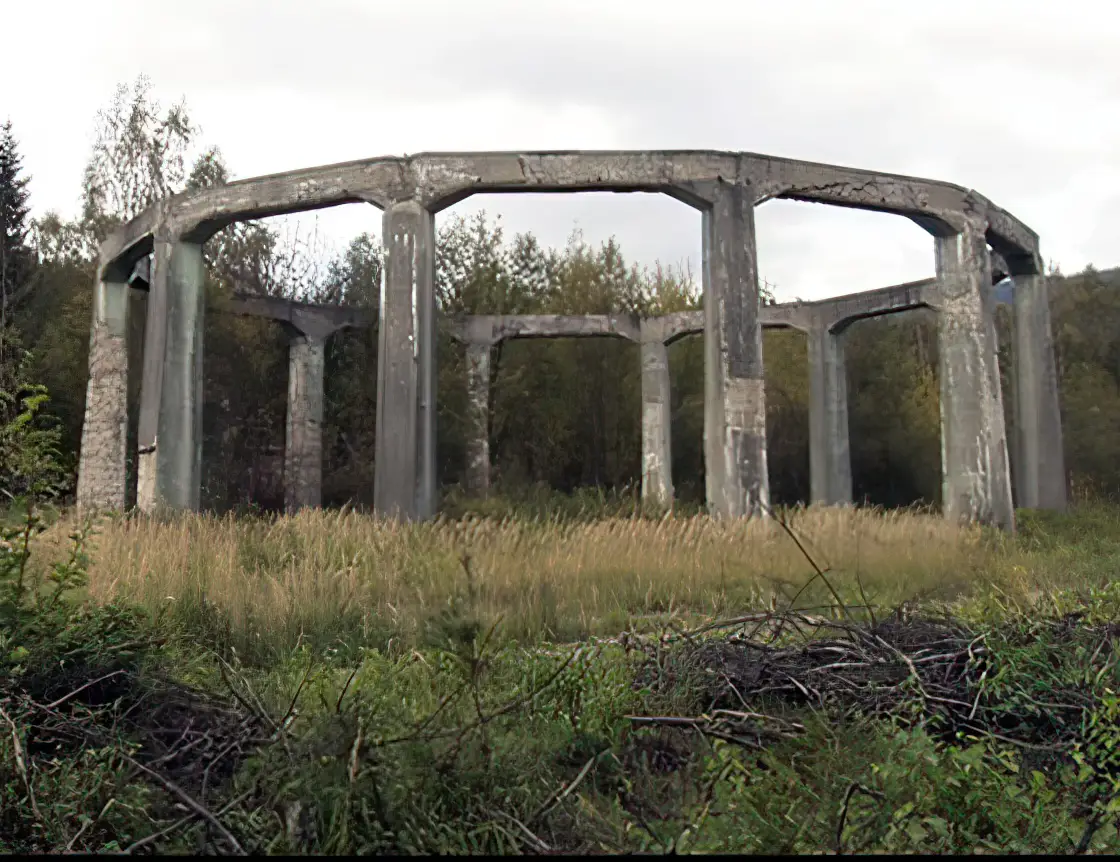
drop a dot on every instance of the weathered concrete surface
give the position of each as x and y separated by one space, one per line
657 455
303 441
495 328
1040 463
404 483
102 465
478 418
737 482
170 428
437 180
976 475
725 185
842 311
830 463
304 317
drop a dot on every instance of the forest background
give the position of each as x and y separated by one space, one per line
564 414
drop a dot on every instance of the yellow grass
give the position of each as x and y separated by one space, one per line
325 574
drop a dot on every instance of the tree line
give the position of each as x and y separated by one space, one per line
564 413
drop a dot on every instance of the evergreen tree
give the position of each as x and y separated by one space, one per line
15 254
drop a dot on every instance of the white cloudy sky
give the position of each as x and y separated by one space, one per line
1020 100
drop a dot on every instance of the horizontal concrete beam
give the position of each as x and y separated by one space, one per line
305 318
438 180
839 312
494 328
834 313
316 321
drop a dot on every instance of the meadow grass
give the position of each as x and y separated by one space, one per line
343 579
379 631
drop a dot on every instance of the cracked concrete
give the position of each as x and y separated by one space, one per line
478 418
303 447
725 186
102 465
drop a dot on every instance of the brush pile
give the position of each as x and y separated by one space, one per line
936 671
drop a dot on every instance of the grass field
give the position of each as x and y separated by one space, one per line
345 580
484 685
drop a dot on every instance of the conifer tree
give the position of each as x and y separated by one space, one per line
15 254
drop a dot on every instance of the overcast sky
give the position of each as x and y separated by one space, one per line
1019 100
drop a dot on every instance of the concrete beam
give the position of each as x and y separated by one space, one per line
102 467
495 328
1040 463
170 432
437 180
977 480
307 318
303 440
478 419
734 391
404 484
657 454
839 312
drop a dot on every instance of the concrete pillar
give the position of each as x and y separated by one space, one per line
976 483
734 397
830 462
303 442
657 456
1040 469
102 464
478 418
404 484
170 426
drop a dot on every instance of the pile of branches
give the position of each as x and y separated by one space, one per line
917 669
179 738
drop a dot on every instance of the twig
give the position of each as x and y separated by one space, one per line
565 792
1091 826
82 688
182 821
87 824
345 688
819 571
21 764
536 842
853 788
188 801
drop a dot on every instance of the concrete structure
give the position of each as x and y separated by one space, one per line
308 327
725 186
1040 462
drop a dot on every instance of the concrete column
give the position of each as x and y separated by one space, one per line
657 455
734 397
404 485
102 464
478 418
1040 470
303 449
830 462
170 426
976 483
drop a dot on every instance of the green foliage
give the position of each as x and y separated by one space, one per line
31 462
563 413
16 259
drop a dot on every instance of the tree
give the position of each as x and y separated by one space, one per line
139 157
16 259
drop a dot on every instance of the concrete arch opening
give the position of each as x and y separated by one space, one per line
574 271
265 300
810 252
725 186
895 443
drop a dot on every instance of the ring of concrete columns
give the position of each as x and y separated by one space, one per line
726 188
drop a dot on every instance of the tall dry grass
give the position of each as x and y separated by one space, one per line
324 576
